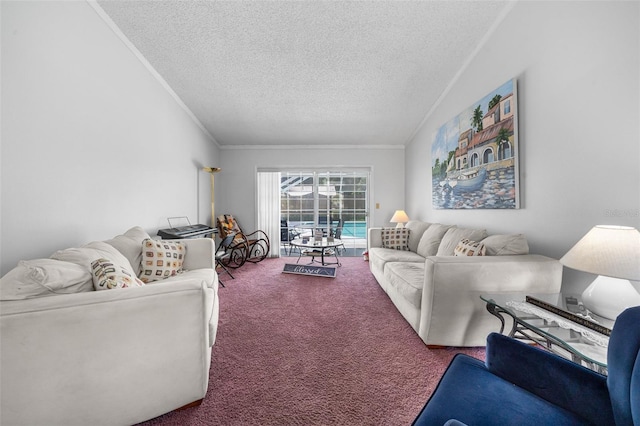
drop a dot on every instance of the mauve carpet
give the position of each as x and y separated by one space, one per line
299 350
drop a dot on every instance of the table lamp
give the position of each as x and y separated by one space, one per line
612 253
400 217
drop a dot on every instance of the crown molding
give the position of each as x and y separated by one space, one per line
310 147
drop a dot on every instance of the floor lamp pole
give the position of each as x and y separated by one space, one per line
212 171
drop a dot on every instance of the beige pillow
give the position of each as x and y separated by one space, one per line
453 237
502 245
469 248
44 277
161 259
431 238
395 238
130 245
108 275
416 229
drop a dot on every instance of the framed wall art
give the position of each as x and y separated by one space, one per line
474 156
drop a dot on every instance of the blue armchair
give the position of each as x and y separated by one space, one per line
524 385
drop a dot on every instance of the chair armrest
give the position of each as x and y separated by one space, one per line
200 253
551 377
375 238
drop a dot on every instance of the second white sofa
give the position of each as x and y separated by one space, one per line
438 293
71 355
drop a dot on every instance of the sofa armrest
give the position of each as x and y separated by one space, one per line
200 253
374 238
555 379
451 308
61 355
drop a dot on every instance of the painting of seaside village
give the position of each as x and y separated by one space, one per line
474 155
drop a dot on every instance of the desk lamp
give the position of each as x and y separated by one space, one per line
612 253
400 217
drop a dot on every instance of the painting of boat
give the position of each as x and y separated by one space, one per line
467 181
474 161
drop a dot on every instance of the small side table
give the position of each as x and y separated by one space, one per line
555 333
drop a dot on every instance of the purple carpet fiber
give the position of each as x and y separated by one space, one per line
300 350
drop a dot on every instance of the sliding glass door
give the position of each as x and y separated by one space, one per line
336 201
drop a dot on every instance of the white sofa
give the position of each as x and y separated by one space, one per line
71 355
438 293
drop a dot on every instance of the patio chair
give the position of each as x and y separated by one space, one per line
253 247
287 234
337 234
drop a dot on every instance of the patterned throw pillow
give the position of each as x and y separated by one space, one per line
107 275
467 247
395 238
161 259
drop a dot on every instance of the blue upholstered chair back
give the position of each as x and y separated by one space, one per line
623 363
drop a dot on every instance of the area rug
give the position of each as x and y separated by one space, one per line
301 350
312 270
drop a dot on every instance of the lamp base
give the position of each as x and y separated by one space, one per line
400 225
608 297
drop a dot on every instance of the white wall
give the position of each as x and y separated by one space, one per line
92 143
236 184
577 66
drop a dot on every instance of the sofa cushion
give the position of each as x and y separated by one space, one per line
108 275
407 278
86 254
130 245
390 255
161 259
44 277
416 230
454 235
469 248
503 245
431 239
395 238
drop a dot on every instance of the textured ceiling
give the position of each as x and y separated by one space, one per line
307 72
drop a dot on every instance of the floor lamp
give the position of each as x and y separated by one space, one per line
212 171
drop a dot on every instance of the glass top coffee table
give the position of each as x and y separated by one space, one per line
318 247
558 322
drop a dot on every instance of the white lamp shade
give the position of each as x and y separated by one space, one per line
400 217
612 251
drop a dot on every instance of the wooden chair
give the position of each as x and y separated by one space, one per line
253 247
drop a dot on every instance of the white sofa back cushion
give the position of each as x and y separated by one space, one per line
504 245
431 239
44 277
130 245
454 235
416 230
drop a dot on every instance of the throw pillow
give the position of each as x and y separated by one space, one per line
108 275
431 238
502 245
161 259
453 236
395 238
44 277
467 247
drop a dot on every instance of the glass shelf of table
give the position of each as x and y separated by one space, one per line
560 335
